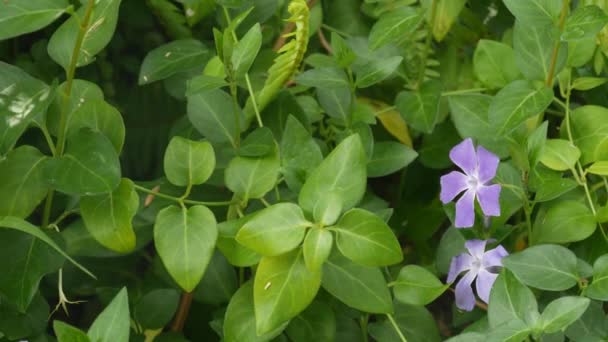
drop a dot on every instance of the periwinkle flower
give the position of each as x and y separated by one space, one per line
479 169
478 264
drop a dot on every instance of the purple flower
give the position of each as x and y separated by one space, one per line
478 264
479 168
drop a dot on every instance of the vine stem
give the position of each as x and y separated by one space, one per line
363 323
182 199
396 327
562 20
427 43
182 312
70 72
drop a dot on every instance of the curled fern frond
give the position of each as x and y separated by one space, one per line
289 59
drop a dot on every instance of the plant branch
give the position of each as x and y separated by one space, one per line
182 312
182 200
562 20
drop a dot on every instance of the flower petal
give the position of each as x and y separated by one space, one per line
459 264
487 164
465 299
451 185
484 283
476 248
488 196
493 257
464 156
465 213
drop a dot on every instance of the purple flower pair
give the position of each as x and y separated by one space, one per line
479 168
478 264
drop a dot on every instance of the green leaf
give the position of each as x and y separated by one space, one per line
562 312
366 239
533 46
510 300
97 35
337 103
317 247
549 184
535 12
172 58
89 166
389 157
108 217
246 50
185 240
592 326
342 53
415 285
327 210
252 177
415 322
17 325
203 83
566 221
470 117
599 286
547 267
23 184
373 72
559 154
590 132
494 64
99 116
419 107
343 172
316 323
584 22
156 308
28 16
240 321
515 103
212 113
113 324
26 227
394 26
274 230
512 331
22 99
219 282
360 287
27 260
326 78
68 333
300 154
283 287
188 162
258 143
536 142
598 168
446 13
82 92
237 254
587 83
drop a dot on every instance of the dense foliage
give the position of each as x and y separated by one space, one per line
291 170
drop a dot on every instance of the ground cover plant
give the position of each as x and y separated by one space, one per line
291 170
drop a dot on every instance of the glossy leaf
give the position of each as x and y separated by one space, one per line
317 247
566 221
246 50
172 58
590 132
584 22
419 108
360 287
24 183
97 35
156 308
389 157
494 64
535 11
417 286
28 16
113 324
68 333
283 288
326 78
533 46
364 238
212 113
376 71
185 240
108 217
252 177
316 323
394 26
562 312
510 300
547 267
559 154
599 285
275 230
99 116
188 162
89 166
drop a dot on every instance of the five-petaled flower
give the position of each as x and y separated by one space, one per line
479 168
478 264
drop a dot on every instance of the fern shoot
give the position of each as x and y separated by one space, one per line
288 61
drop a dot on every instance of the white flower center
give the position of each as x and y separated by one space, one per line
473 183
476 265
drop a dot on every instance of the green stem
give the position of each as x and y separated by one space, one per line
396 327
528 215
48 138
71 71
182 200
363 323
463 91
427 43
562 20
333 29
